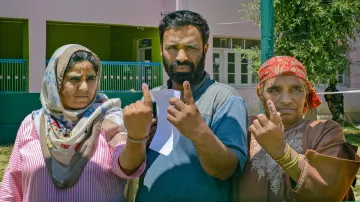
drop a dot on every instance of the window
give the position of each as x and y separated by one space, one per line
244 70
237 71
221 42
216 66
228 66
144 50
238 43
341 79
252 43
231 68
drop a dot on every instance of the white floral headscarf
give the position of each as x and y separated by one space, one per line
65 129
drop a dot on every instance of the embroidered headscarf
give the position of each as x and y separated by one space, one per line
287 66
68 136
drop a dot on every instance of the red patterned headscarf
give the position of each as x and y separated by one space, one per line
287 66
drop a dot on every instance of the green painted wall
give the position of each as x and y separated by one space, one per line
11 38
25 50
26 40
124 42
94 37
114 43
11 117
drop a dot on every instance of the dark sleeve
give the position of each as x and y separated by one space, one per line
230 125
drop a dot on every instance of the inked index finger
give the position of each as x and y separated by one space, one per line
271 107
147 95
274 114
189 99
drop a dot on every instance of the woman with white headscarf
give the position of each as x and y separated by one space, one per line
80 146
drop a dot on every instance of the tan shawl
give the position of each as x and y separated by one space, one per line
333 165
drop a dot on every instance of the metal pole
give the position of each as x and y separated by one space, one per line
267 29
267 33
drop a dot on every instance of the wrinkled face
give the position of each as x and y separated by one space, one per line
183 54
78 86
289 96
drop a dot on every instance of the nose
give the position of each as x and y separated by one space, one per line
181 56
83 86
285 98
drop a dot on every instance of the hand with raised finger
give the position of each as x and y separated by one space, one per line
138 116
269 133
186 116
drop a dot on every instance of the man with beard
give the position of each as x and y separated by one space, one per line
210 116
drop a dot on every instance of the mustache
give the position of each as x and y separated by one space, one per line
179 63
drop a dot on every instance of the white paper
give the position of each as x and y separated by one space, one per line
166 135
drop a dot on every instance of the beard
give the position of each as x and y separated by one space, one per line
195 73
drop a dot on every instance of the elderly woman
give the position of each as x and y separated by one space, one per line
290 158
76 147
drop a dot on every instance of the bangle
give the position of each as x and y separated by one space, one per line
292 163
138 141
303 175
286 156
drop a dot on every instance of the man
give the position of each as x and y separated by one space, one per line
210 116
335 102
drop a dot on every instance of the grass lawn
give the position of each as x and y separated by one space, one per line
5 152
353 137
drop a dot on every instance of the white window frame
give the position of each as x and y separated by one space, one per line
238 73
223 68
221 64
